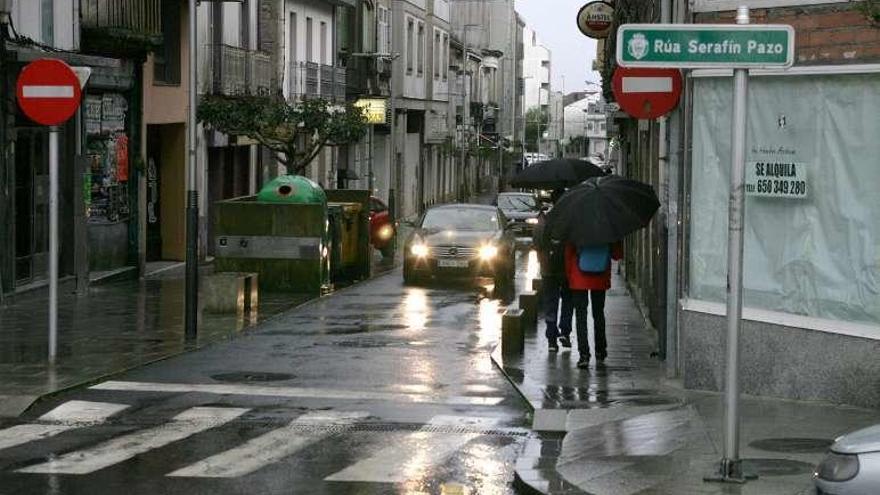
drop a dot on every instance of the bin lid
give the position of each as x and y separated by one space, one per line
292 189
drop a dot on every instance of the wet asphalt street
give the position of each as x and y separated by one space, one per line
376 389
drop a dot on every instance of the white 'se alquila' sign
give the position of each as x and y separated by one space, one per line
776 179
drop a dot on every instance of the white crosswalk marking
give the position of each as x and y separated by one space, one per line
412 457
268 448
68 416
122 448
301 392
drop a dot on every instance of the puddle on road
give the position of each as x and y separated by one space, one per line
793 445
779 467
251 376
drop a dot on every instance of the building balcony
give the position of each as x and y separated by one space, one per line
312 80
235 71
121 26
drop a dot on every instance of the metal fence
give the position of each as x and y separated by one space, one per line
235 71
313 80
141 16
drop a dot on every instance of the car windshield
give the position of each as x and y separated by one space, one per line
460 219
517 202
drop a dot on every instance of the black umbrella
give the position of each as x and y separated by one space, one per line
558 173
602 210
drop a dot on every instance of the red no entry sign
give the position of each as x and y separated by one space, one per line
48 91
646 93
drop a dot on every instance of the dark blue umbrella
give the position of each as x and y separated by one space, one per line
602 210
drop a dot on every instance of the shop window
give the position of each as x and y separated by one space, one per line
107 151
166 62
812 231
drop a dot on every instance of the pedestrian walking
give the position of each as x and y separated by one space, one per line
554 288
588 273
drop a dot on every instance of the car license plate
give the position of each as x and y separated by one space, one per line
452 263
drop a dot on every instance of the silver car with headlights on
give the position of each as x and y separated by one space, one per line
460 240
852 467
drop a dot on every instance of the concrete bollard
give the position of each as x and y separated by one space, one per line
528 303
537 284
230 292
512 335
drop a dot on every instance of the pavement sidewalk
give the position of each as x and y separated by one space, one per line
118 325
623 429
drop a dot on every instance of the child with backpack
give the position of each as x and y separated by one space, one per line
588 271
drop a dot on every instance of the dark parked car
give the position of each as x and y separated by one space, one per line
460 240
521 209
381 228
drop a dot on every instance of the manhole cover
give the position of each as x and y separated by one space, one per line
779 467
251 376
799 445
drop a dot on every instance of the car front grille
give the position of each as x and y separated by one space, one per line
455 252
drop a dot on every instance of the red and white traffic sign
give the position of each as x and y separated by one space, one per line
646 93
48 91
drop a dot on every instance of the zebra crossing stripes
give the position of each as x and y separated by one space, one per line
411 457
68 416
184 425
268 448
294 392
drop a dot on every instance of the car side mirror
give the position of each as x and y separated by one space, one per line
407 223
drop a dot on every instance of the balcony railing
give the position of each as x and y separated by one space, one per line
141 17
313 80
235 71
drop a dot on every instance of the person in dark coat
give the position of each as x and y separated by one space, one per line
589 288
551 255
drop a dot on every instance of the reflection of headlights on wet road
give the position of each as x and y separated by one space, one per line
532 221
385 232
838 467
488 252
419 250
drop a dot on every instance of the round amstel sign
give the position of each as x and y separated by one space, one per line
646 93
595 19
48 91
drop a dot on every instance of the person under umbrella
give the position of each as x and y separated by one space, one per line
554 289
592 219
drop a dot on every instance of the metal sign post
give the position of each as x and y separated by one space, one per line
49 92
731 468
53 244
740 47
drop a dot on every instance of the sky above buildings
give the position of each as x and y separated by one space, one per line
572 52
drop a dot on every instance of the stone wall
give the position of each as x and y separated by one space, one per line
780 361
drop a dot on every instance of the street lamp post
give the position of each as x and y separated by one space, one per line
192 196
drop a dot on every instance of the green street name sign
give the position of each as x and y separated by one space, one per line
688 46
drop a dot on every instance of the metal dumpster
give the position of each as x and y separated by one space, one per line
286 242
349 218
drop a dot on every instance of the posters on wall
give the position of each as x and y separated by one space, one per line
107 149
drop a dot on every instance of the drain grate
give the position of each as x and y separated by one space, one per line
251 376
779 467
793 445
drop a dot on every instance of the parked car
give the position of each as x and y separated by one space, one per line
460 240
521 209
852 467
381 228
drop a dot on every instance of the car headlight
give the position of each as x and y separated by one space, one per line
385 232
488 252
532 221
419 250
838 467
